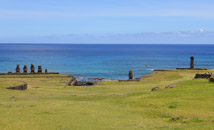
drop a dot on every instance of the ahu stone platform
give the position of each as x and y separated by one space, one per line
192 68
12 73
192 65
25 71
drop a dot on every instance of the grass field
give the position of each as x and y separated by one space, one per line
49 104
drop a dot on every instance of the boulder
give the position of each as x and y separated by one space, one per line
155 89
171 86
175 118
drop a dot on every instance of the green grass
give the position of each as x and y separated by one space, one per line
49 103
9 83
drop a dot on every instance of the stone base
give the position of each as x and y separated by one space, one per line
192 68
137 79
11 73
161 70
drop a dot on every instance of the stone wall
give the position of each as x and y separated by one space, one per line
20 87
211 79
203 76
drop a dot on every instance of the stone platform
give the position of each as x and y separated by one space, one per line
192 68
12 73
136 79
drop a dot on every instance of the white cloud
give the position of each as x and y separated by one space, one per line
183 37
202 30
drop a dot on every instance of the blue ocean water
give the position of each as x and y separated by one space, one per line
111 61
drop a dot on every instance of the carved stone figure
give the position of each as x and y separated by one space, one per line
46 70
32 68
17 69
192 62
39 69
130 74
25 69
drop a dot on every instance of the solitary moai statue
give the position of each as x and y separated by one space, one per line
192 62
130 74
17 69
25 69
39 69
32 68
46 70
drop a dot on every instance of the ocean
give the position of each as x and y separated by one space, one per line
112 61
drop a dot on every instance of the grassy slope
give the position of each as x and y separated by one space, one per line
109 105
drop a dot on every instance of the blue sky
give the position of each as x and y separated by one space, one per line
107 21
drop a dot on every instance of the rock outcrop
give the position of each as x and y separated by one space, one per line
155 89
171 86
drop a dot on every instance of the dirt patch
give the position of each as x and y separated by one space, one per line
35 87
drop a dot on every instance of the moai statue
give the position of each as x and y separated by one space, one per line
32 68
192 62
130 74
25 69
39 69
17 69
46 70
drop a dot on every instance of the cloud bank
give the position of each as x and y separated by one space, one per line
183 37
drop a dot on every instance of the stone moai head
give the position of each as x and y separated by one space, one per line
191 62
17 69
32 68
130 74
39 69
25 69
46 70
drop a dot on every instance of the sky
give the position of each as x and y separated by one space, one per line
107 21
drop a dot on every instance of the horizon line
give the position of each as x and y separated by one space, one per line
121 43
